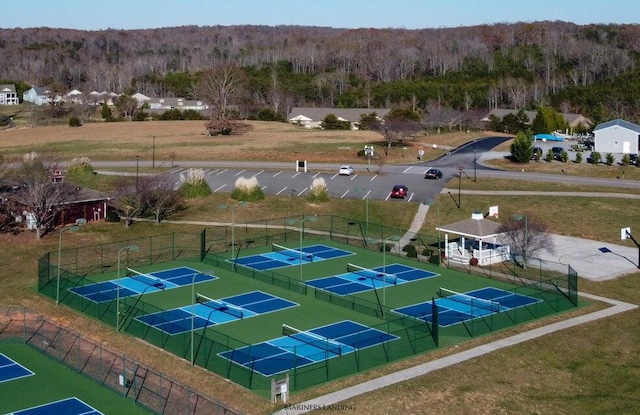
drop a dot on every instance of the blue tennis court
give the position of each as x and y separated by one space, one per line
212 312
288 257
357 282
70 406
142 284
456 309
12 370
301 348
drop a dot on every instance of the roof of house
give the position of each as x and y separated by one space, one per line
472 228
41 91
7 88
620 123
348 114
572 119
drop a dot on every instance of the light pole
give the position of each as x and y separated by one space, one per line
233 225
475 162
153 153
193 310
73 228
302 221
137 170
129 248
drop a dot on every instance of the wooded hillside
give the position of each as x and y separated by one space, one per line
588 69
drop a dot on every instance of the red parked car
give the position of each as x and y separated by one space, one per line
399 191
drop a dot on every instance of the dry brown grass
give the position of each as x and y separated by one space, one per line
186 140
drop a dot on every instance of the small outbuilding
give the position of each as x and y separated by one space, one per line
617 136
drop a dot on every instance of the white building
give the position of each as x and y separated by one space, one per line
8 95
617 136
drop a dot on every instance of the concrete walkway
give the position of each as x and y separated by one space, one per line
422 369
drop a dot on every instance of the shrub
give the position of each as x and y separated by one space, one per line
319 193
473 261
247 190
112 216
609 159
549 156
434 259
409 248
412 254
626 159
427 252
578 157
75 122
79 166
564 156
194 184
595 157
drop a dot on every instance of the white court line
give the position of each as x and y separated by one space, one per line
303 190
277 173
373 178
240 172
344 194
283 189
222 171
220 187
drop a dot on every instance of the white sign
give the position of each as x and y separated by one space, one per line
493 211
624 233
421 152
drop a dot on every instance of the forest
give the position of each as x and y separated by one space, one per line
587 69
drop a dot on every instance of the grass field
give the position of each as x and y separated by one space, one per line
590 369
52 382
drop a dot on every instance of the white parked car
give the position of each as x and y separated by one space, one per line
346 171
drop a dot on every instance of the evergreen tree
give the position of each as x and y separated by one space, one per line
522 147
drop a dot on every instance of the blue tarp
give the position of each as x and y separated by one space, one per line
547 137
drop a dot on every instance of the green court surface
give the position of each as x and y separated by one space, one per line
53 382
148 314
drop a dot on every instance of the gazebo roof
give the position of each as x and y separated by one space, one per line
472 228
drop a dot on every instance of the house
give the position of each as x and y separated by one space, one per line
141 98
74 97
8 95
37 95
164 104
573 120
617 136
312 117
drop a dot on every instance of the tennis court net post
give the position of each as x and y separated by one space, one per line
292 253
313 339
372 274
470 300
219 305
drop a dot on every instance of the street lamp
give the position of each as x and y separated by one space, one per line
73 228
193 310
475 162
302 221
137 170
233 226
130 248
383 242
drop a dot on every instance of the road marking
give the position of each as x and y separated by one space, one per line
296 174
220 187
344 194
410 197
222 171
283 189
315 175
261 171
388 196
303 190
334 176
407 169
213 171
264 187
365 196
373 178
277 173
240 172
354 176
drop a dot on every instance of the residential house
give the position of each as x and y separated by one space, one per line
164 104
573 121
8 95
312 117
37 95
617 136
74 97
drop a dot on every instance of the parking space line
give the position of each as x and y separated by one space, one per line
222 171
213 171
303 190
264 187
373 178
365 196
388 196
220 187
277 173
283 189
410 197
240 172
407 169
334 176
261 171
344 194
315 175
354 176
296 174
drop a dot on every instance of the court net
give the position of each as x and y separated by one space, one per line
470 300
148 279
220 306
313 339
372 274
292 253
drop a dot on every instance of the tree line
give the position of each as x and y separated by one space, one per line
588 69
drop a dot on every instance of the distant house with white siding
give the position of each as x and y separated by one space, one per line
164 104
8 95
617 136
312 117
573 120
37 95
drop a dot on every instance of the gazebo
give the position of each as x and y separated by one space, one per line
474 234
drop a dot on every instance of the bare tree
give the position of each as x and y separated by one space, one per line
221 87
162 199
525 236
128 200
42 198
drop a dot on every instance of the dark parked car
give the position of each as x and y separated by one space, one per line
633 159
537 153
433 174
399 191
557 152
